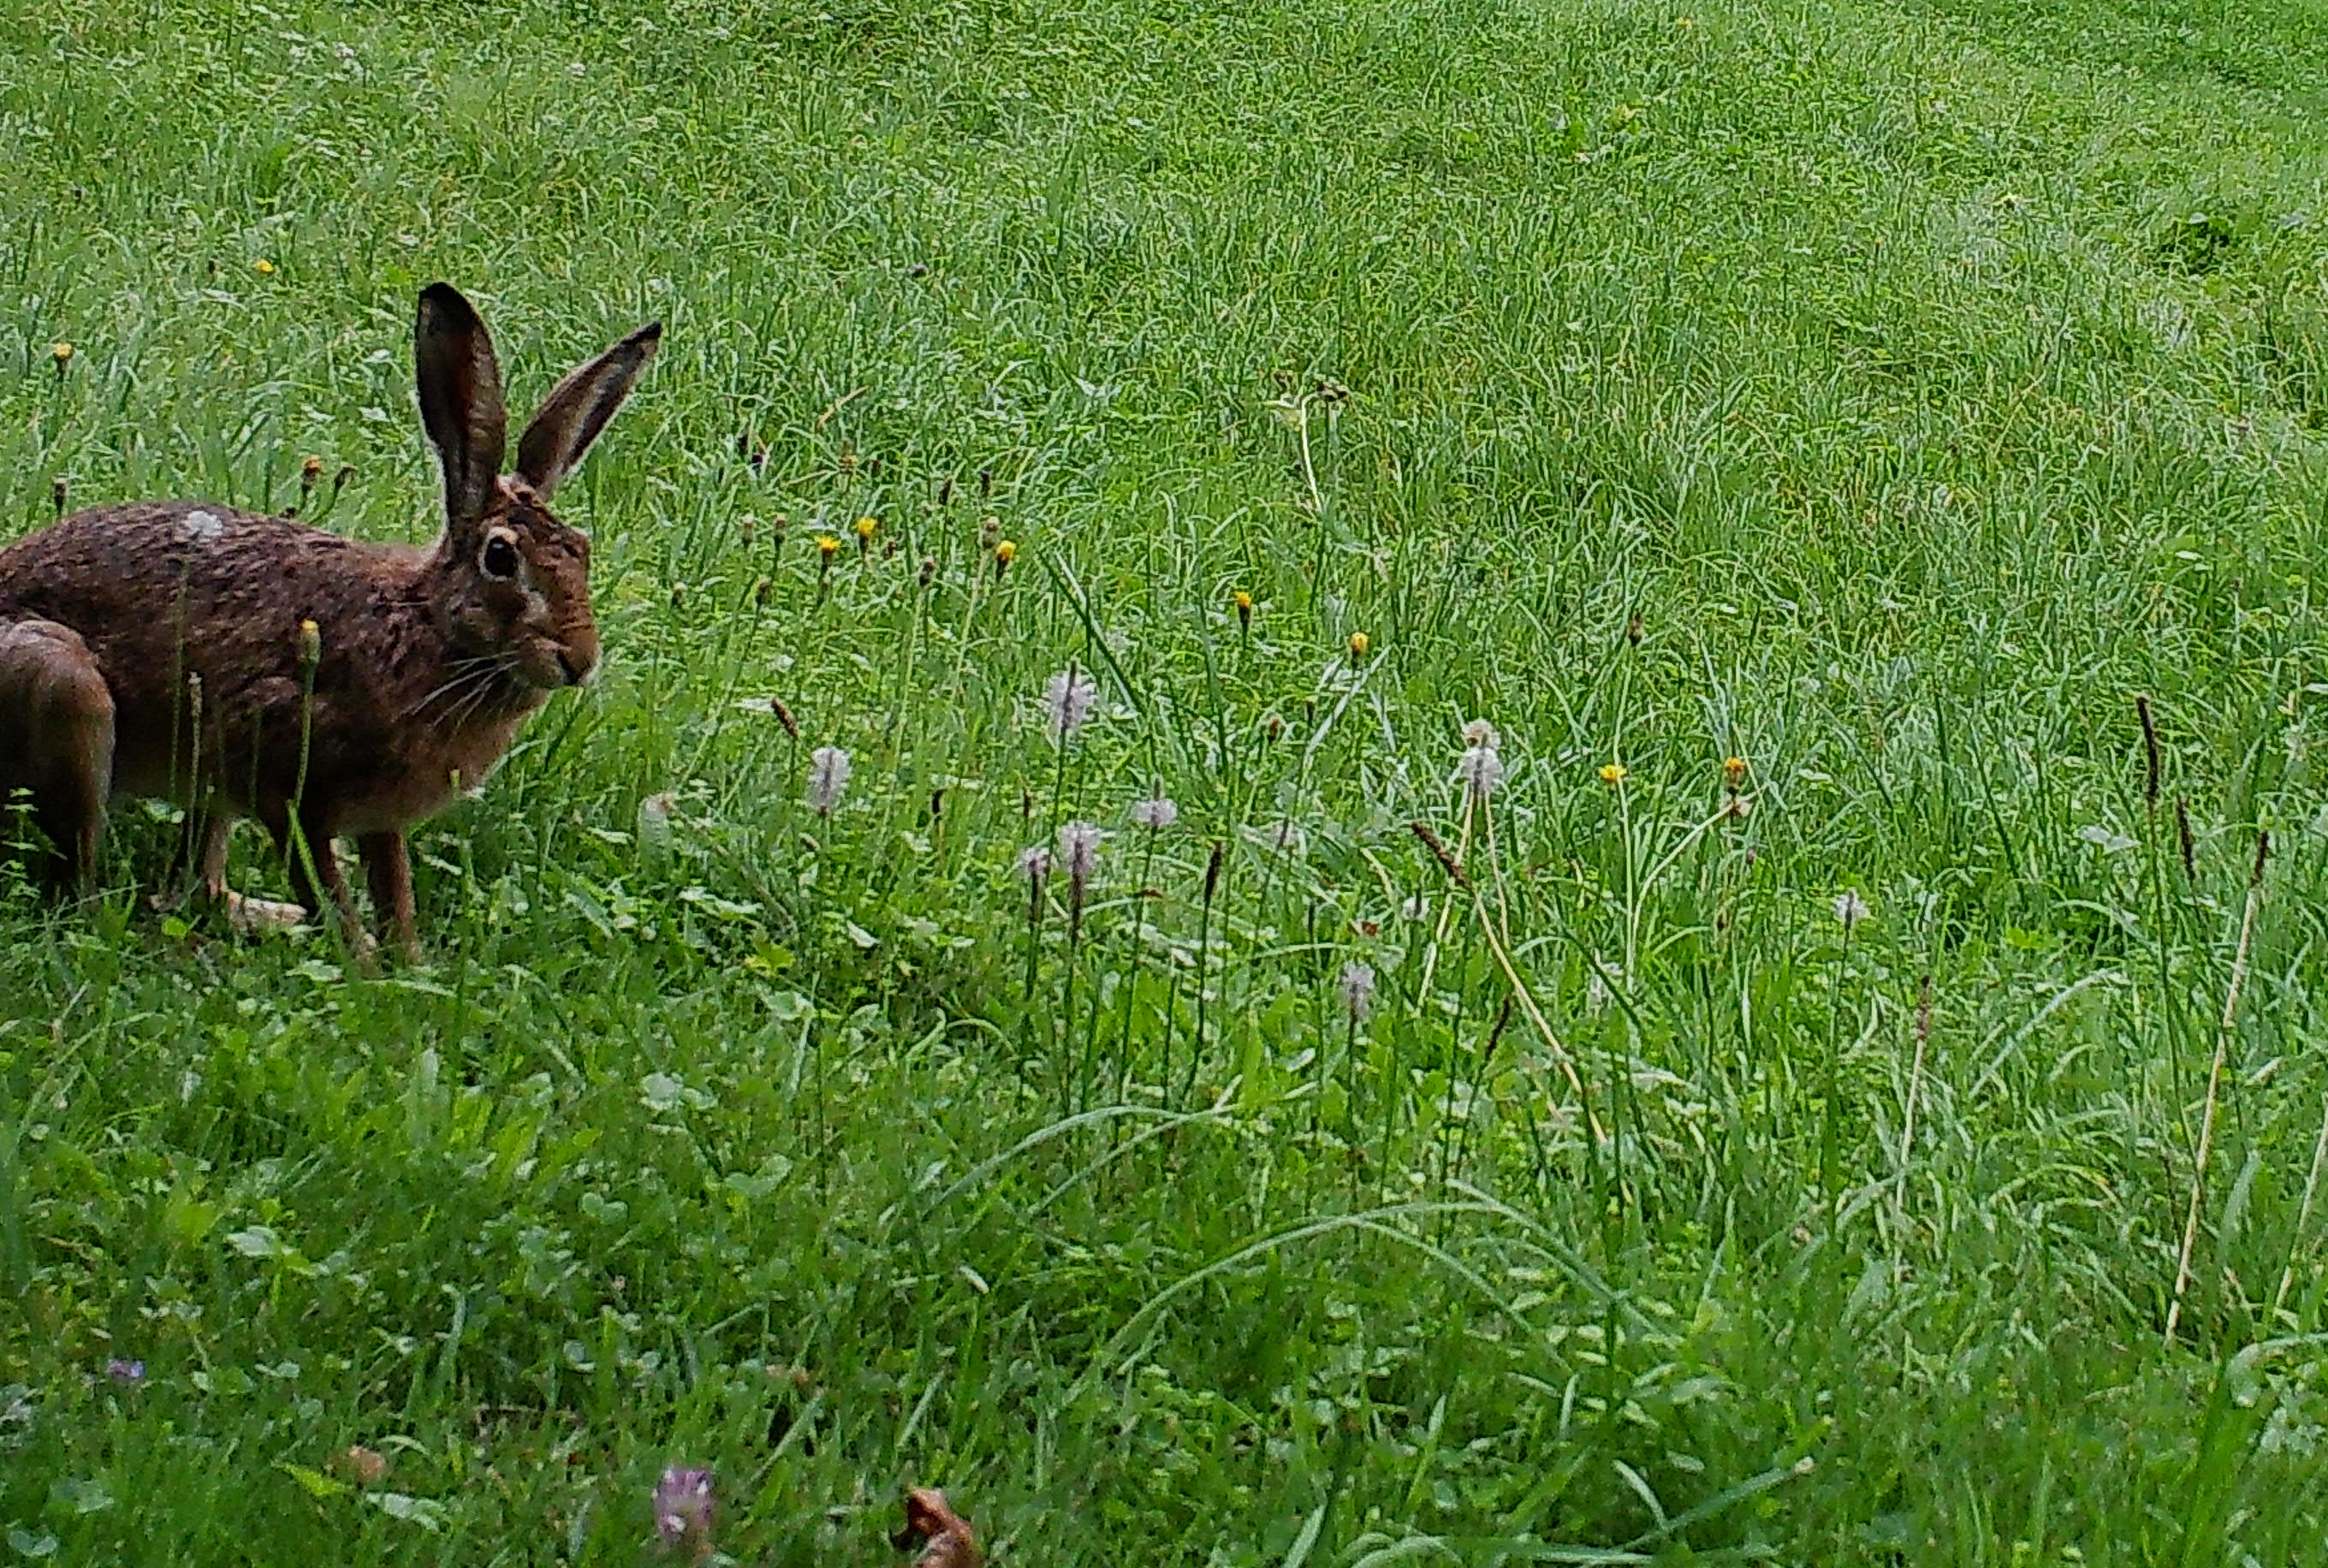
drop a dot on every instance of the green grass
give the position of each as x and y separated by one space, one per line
1929 381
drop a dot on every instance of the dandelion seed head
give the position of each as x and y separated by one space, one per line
1035 863
1079 851
1155 813
1849 909
1479 732
1070 696
1480 771
828 775
1357 990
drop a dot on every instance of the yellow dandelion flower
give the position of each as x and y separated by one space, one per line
827 546
1733 774
1359 643
866 529
264 267
311 644
1613 773
1005 552
1244 602
61 352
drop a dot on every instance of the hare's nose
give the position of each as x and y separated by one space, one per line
577 673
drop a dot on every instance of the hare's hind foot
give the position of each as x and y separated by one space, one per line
56 742
251 916
207 849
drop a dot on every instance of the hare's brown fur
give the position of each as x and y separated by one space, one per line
160 649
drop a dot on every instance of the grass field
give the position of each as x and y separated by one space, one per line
1886 395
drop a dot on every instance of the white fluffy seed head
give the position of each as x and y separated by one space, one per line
1480 771
1357 990
828 775
1079 851
1071 697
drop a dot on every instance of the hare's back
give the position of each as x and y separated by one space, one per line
163 586
123 575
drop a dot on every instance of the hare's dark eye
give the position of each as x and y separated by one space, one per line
500 559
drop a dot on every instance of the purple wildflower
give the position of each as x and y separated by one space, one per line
683 1509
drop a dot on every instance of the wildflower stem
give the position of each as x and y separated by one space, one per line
2215 1084
1213 870
1139 951
1034 935
1520 992
1082 1101
2303 1213
1831 1126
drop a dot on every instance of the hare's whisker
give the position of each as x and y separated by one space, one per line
478 696
477 679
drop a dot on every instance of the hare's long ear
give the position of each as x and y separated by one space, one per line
460 401
578 407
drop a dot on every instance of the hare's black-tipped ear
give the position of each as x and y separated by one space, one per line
578 407
460 401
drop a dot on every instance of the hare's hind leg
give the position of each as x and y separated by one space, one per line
56 741
316 881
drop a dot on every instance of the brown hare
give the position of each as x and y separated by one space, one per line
245 665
